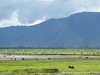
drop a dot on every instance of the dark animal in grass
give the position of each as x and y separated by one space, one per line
86 57
49 58
71 67
22 58
9 54
11 58
15 59
80 57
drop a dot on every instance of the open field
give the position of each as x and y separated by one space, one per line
52 66
51 51
33 66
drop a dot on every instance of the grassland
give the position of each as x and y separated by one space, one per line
40 66
51 51
33 66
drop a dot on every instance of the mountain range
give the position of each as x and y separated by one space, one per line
80 30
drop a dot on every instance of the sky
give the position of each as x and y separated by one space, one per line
32 12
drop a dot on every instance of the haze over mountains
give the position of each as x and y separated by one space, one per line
81 30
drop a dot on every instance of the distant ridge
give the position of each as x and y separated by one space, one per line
81 30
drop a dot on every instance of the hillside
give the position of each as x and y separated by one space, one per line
81 30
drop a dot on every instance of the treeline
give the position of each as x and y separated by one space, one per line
23 47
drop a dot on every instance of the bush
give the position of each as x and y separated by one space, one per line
50 70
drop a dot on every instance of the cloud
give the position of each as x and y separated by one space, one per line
48 0
14 21
86 5
87 10
34 11
37 21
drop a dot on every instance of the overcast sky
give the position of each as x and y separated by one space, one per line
31 12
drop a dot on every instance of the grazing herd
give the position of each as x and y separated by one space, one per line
70 67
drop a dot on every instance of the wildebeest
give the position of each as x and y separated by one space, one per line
71 67
86 57
49 58
22 58
15 59
11 58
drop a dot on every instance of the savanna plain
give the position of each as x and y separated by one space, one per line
87 62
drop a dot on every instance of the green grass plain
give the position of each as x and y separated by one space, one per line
50 51
35 67
22 67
